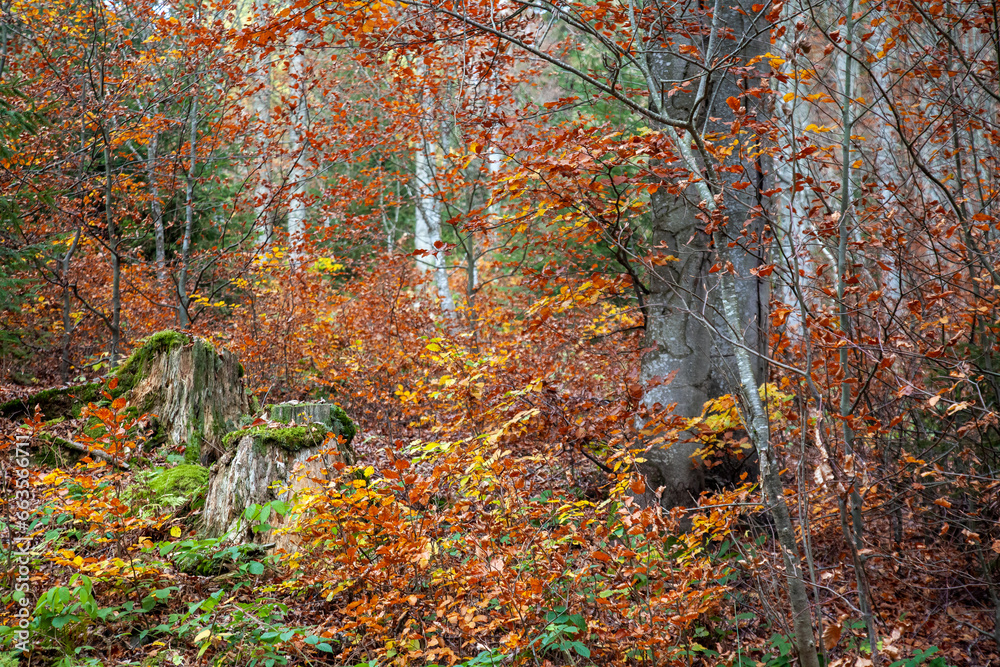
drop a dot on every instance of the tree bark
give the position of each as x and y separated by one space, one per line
195 391
427 226
267 464
264 218
684 314
156 208
183 300
298 145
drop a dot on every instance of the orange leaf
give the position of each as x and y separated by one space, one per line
734 104
118 403
779 315
638 486
831 635
113 384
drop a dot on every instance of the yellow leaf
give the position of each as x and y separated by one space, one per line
175 531
788 97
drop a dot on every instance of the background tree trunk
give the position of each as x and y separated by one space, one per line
298 144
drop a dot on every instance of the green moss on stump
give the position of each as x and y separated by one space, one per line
348 429
53 402
167 489
328 414
183 480
292 439
130 373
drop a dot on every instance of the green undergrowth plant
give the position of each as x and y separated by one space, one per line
171 489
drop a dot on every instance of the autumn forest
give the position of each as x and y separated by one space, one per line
500 332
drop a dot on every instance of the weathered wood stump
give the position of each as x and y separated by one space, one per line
265 463
195 391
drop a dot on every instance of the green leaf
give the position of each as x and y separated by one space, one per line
60 621
256 568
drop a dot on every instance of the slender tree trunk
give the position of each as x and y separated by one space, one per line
156 207
264 218
853 532
67 315
183 317
427 229
116 270
298 145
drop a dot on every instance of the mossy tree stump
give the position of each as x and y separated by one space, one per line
263 464
195 390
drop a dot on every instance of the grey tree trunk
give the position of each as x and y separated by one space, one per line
684 313
67 316
734 309
183 317
156 208
116 267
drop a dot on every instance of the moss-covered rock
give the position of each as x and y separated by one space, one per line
291 439
62 402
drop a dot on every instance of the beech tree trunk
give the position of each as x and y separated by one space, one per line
736 309
685 317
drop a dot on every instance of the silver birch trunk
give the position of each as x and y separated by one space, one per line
427 227
298 144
